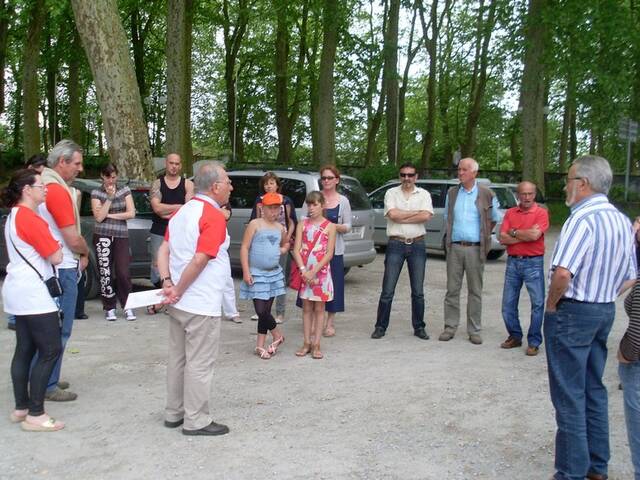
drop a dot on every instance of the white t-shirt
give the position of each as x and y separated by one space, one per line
198 226
23 293
57 211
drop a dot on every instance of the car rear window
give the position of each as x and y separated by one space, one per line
354 192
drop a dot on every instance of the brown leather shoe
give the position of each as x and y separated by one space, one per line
532 351
511 342
597 476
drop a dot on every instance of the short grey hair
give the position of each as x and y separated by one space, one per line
63 149
474 165
596 170
208 173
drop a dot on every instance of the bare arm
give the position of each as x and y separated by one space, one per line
189 190
297 246
244 251
130 211
559 284
189 274
626 286
310 274
100 210
290 223
409 216
56 257
163 210
528 235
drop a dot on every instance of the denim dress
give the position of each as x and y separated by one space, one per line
264 265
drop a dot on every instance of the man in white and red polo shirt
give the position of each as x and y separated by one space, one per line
522 231
194 269
61 213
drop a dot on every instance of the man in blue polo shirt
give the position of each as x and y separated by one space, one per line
593 262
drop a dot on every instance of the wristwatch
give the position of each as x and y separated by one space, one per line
512 232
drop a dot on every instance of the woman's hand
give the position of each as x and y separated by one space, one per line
111 191
248 279
284 249
309 275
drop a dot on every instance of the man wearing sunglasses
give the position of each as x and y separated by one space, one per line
470 214
407 208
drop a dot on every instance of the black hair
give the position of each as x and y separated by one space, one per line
408 165
108 169
12 193
35 161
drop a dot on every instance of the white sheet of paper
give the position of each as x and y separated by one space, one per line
144 298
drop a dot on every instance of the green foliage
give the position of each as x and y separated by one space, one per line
372 177
558 212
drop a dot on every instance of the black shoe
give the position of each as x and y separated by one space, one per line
378 333
82 316
212 429
175 424
421 333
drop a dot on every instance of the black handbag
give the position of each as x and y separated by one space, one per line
53 284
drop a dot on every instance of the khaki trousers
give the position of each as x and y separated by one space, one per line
461 260
193 347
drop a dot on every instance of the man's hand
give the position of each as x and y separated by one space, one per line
171 294
621 358
83 262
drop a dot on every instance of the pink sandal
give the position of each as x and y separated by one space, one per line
262 353
273 348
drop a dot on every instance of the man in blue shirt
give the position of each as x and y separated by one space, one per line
471 213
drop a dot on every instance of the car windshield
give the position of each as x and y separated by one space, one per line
505 197
354 192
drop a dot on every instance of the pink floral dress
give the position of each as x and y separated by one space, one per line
321 290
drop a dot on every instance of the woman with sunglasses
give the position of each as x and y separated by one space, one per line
32 253
338 211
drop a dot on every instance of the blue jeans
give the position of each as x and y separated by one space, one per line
69 281
630 378
395 256
529 271
576 346
11 320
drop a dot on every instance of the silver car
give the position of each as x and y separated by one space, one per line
359 248
435 237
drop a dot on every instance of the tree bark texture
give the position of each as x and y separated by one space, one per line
282 80
73 89
16 73
6 14
569 111
179 26
532 94
390 74
326 145
30 95
107 50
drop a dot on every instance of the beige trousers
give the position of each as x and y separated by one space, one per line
193 347
461 260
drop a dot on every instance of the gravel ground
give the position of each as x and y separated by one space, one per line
395 408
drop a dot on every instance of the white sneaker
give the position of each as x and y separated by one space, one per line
129 315
235 319
279 319
110 315
254 317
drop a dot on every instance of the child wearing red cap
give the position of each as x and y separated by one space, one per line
264 241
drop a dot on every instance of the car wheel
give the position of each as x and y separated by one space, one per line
91 282
494 254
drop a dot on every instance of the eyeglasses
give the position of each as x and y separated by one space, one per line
324 179
39 185
407 175
572 178
227 181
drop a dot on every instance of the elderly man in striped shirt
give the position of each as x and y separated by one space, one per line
593 262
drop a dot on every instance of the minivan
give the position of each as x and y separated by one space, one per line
435 237
359 248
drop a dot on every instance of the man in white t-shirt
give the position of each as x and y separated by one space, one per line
407 208
194 268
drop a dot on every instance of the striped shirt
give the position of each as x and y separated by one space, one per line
596 245
110 227
630 343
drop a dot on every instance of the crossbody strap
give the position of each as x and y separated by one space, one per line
23 257
323 225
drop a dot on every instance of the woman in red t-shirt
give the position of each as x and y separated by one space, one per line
32 253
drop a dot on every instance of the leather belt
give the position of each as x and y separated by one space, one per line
407 241
467 244
520 257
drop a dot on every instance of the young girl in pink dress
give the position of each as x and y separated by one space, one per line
315 242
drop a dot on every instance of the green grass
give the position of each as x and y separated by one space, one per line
559 212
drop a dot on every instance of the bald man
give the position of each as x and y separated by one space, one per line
522 232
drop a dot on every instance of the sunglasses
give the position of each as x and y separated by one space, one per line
408 175
327 178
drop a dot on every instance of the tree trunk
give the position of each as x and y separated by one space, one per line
569 109
179 26
313 97
107 50
326 145
6 14
232 42
281 73
17 114
73 89
390 74
532 94
479 76
30 94
402 91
